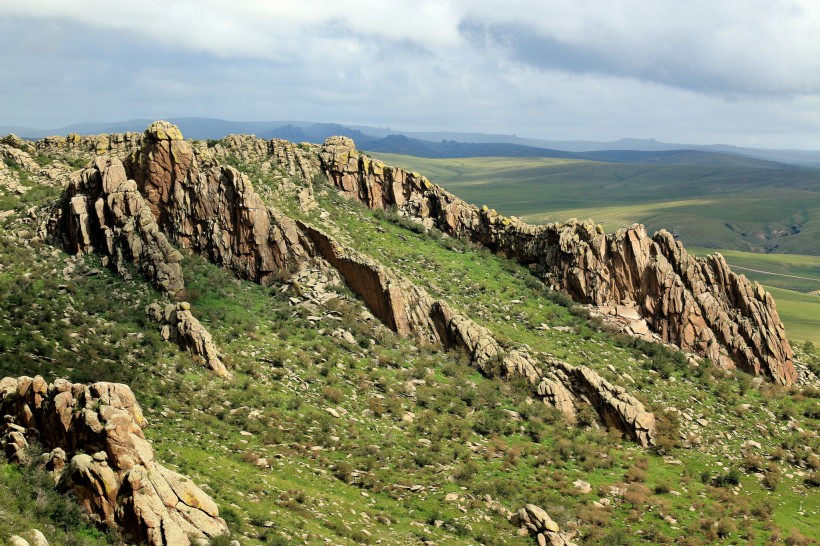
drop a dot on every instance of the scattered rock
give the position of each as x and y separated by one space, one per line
539 525
582 486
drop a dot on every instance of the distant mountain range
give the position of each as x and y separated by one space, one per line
454 144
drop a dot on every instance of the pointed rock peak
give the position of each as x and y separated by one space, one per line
163 130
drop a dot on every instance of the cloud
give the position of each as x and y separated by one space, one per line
705 72
731 47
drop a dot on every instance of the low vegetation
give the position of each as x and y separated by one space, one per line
381 440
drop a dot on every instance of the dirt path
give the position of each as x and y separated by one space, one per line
772 273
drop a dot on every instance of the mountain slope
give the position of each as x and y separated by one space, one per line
334 427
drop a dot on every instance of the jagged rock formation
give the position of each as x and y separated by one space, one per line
697 304
95 447
297 160
411 312
119 145
18 152
214 211
540 525
102 211
178 324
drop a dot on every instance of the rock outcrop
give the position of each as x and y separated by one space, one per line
697 304
102 211
295 160
74 146
411 312
214 211
540 525
179 325
94 444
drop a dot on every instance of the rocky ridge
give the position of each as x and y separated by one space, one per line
94 446
697 304
74 146
213 210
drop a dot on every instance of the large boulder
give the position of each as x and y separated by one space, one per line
95 447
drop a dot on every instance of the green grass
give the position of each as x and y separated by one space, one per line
718 207
364 477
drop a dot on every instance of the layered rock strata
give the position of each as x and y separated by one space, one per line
95 447
696 303
179 325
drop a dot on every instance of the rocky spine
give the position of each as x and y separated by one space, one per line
697 304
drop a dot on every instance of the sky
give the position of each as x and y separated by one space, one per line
741 72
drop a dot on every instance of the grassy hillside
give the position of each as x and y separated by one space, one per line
742 208
380 440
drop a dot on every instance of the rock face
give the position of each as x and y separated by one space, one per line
178 324
214 210
697 304
102 211
95 447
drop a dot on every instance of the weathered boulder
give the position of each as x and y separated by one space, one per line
97 450
697 304
539 525
179 325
